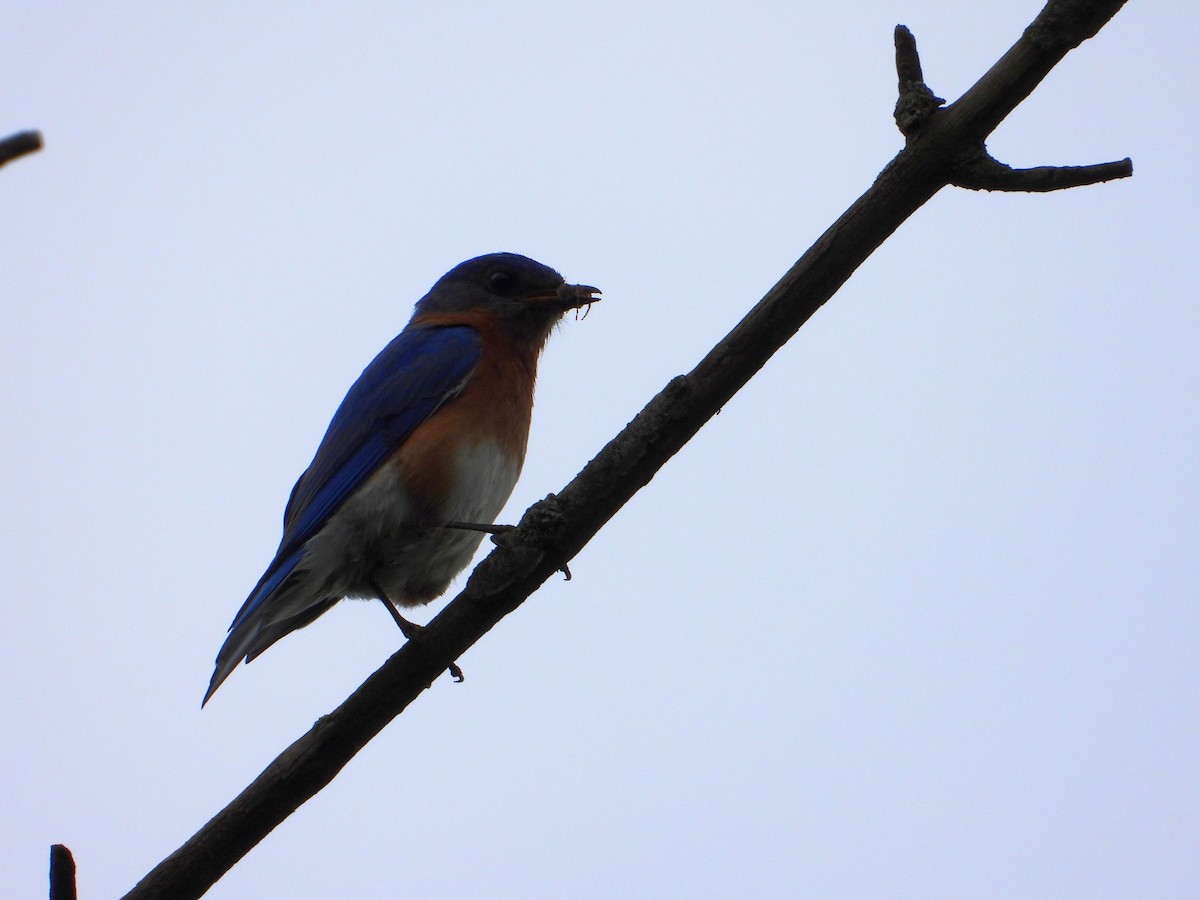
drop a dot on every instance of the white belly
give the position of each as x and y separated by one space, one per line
373 539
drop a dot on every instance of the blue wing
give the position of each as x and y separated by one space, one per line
411 377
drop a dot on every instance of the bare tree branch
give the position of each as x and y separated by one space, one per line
980 172
62 873
916 102
20 144
975 168
553 530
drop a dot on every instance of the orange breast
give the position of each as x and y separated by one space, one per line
494 409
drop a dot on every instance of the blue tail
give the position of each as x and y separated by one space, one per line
263 619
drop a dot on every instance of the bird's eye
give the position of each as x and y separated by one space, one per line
500 280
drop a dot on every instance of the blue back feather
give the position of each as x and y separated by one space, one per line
422 368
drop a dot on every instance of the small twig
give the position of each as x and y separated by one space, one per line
20 144
62 873
981 172
916 102
908 61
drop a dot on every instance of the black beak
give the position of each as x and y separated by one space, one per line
565 297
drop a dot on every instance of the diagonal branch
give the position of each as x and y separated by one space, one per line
552 531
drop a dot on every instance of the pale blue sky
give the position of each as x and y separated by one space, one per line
916 615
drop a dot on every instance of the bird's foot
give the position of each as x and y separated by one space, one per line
412 631
498 532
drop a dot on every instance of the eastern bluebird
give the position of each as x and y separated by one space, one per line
433 432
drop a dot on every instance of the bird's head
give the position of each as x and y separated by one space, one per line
519 291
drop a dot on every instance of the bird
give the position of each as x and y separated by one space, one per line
429 441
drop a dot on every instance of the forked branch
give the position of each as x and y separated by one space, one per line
975 168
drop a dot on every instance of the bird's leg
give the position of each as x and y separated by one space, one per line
496 531
410 630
